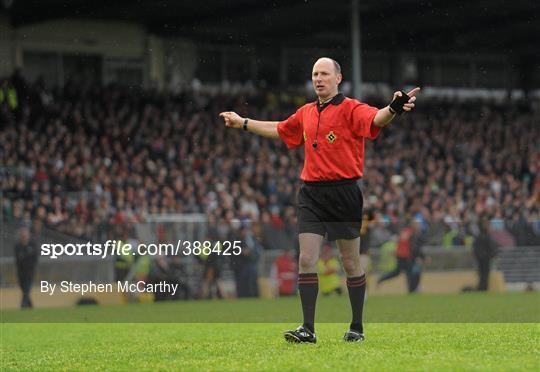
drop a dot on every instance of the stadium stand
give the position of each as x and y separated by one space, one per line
83 158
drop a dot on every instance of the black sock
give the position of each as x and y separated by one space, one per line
357 291
308 286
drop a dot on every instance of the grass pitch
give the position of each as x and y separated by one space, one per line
415 345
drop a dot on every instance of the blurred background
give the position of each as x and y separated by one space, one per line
109 129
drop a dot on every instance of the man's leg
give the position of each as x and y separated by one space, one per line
308 281
411 276
365 261
483 265
356 279
26 288
253 277
243 282
416 282
391 274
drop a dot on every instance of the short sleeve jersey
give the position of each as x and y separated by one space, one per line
334 135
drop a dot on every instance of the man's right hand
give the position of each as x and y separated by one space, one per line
262 128
232 119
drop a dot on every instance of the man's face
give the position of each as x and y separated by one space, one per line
325 78
25 235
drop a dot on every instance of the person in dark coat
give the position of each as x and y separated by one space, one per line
485 249
418 258
245 265
26 258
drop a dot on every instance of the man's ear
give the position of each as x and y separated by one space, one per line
339 78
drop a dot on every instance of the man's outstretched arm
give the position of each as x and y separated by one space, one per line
386 114
262 128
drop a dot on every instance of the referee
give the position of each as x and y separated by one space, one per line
333 130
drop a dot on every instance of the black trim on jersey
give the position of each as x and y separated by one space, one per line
336 100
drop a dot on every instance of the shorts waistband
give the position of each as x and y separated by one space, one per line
348 181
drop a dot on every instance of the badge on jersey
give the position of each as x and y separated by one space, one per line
331 137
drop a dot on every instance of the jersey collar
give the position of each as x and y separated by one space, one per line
336 100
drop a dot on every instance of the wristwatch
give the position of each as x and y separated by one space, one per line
245 124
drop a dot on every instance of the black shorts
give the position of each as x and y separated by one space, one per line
330 208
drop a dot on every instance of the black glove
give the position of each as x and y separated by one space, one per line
396 106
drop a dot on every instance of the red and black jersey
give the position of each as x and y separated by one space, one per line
334 136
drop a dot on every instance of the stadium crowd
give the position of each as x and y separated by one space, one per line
82 159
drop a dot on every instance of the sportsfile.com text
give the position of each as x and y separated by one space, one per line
119 248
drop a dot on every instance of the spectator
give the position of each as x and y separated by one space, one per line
403 259
85 159
245 265
123 262
285 271
177 275
210 287
485 249
26 259
159 272
418 258
328 268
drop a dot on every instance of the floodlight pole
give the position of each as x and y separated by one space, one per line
356 49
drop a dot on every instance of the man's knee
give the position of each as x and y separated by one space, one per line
351 263
307 262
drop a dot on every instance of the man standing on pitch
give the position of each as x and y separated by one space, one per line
330 201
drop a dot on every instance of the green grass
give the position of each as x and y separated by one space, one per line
470 307
260 347
505 343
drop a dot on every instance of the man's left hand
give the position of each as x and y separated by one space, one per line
409 105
